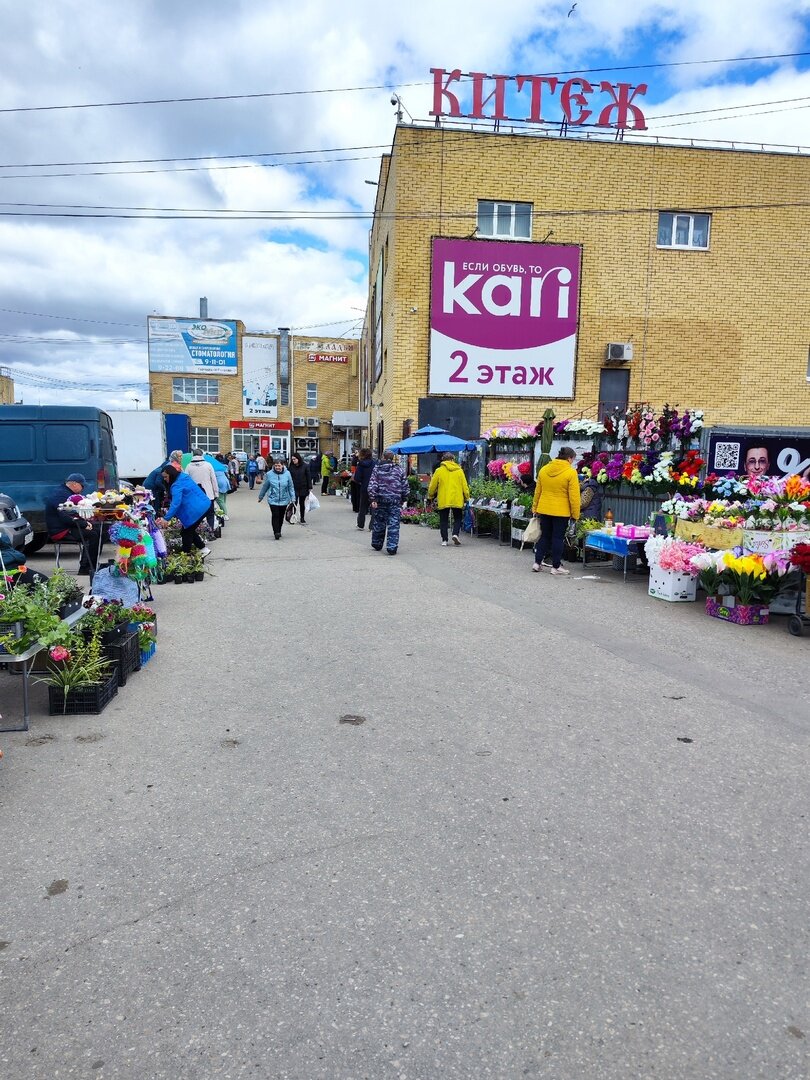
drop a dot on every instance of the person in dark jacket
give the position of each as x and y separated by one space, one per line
67 524
154 483
315 468
590 496
362 475
302 482
189 504
386 490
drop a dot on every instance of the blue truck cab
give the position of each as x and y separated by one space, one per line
40 445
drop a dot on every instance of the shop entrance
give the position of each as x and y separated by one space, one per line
614 390
272 443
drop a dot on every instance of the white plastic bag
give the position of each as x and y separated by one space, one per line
313 502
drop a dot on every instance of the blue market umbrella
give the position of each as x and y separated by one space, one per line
218 466
431 444
429 430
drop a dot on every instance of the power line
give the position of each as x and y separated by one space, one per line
332 149
362 215
387 86
68 318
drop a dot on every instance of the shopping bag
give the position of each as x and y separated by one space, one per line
291 513
313 502
531 534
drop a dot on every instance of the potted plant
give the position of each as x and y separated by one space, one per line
64 593
26 620
80 678
196 567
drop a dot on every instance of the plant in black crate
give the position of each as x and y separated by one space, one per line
64 593
80 678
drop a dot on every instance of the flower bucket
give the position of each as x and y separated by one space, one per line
147 654
671 585
82 699
760 541
729 610
787 541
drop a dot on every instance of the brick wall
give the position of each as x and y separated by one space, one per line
337 387
726 330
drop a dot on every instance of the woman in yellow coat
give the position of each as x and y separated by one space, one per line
556 500
453 491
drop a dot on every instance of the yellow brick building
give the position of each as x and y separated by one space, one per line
6 389
696 258
315 378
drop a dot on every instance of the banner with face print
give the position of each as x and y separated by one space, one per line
259 377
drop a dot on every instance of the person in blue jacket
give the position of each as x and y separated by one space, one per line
189 504
280 491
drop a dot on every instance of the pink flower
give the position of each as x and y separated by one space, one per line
58 653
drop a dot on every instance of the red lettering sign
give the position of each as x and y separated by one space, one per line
327 358
621 110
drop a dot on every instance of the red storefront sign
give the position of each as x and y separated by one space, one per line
618 110
327 358
264 425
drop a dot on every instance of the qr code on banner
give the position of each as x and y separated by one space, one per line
727 456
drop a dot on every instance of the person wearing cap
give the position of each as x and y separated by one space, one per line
67 525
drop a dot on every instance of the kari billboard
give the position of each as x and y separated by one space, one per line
192 346
503 318
259 377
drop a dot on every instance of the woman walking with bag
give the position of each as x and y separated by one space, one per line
278 487
453 491
302 482
556 500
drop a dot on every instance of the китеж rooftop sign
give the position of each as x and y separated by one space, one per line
618 111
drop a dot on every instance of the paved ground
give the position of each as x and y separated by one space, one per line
514 867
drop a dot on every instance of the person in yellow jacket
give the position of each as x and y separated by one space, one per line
556 500
453 491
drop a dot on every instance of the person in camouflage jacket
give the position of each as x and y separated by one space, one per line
387 489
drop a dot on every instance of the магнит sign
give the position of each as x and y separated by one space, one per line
503 318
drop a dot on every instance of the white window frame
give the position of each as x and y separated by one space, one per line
208 442
188 389
312 395
689 245
497 206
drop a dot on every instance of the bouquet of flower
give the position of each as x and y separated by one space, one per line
669 553
800 557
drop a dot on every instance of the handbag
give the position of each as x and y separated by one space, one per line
291 513
531 534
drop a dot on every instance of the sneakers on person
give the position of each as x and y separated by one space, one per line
377 547
205 552
536 568
362 528
560 570
276 536
392 551
456 540
444 543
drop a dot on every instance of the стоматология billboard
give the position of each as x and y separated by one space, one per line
192 346
503 318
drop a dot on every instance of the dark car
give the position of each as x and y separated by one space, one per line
13 525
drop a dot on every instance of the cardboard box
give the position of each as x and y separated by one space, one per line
742 614
672 586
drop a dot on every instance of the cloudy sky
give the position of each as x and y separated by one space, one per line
75 289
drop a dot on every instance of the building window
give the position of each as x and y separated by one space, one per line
312 395
195 391
683 230
206 438
512 219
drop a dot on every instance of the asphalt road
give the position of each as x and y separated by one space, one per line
515 866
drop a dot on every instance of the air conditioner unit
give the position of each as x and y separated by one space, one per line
313 421
619 352
299 421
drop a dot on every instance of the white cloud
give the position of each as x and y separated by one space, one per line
306 271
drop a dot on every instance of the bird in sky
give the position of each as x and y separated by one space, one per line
571 12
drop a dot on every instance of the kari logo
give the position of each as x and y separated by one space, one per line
503 315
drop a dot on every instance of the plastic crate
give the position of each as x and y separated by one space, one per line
126 656
85 699
147 654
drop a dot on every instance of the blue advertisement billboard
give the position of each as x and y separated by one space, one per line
192 346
